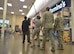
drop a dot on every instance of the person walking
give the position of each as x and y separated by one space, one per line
36 31
25 29
47 24
59 27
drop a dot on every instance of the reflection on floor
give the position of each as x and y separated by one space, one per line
13 45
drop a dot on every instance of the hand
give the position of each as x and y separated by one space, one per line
42 28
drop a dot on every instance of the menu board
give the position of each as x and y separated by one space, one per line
6 22
66 12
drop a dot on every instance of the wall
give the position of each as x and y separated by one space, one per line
14 20
19 20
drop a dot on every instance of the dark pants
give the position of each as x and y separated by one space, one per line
28 35
48 32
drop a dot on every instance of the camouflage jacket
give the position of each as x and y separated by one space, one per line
48 20
59 23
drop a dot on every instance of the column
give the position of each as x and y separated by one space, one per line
4 17
72 15
13 22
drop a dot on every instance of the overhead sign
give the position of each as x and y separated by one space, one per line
58 6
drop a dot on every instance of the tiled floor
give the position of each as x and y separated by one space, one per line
13 45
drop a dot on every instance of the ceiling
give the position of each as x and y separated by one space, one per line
51 4
41 6
16 5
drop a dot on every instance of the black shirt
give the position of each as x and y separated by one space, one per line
25 25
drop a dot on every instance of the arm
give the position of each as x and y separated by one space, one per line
55 23
22 26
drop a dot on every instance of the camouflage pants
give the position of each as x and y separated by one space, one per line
49 33
36 32
60 39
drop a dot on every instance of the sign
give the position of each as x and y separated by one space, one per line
59 6
66 12
68 3
66 36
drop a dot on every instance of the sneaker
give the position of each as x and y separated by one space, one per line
43 48
32 46
36 39
52 50
60 49
38 45
29 42
40 39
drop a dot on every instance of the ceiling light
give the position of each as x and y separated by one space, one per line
20 10
22 0
22 13
1 8
24 6
9 4
12 12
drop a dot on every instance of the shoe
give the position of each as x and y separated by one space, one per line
52 50
36 39
43 48
38 45
47 40
29 42
40 39
60 49
32 46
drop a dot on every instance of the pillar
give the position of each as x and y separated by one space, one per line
13 22
72 20
4 17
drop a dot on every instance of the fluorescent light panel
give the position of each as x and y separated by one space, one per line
1 8
9 4
22 0
22 13
20 10
24 6
12 12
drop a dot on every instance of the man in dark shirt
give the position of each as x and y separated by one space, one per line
25 29
0 31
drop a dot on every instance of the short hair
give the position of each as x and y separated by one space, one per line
58 13
38 17
25 17
47 8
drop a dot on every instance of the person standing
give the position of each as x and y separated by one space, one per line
59 27
36 31
47 24
25 29
0 31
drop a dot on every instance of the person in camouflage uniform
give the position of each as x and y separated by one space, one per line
47 24
59 27
36 31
